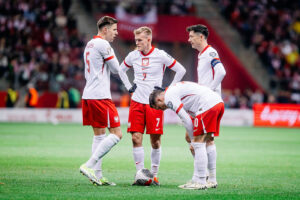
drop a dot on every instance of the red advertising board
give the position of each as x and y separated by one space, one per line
277 115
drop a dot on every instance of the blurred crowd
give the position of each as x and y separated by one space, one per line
39 43
272 27
41 48
164 7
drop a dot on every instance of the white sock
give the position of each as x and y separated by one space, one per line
98 166
155 160
200 162
138 156
212 160
103 148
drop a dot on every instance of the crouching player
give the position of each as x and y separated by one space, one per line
207 108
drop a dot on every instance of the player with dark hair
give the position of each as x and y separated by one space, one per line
188 100
211 72
98 110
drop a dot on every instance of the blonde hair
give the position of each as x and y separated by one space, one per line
143 29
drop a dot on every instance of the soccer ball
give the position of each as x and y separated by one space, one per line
143 177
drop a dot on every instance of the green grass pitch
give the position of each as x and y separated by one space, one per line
41 161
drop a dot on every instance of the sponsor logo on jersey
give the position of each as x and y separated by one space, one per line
157 129
129 124
116 119
145 61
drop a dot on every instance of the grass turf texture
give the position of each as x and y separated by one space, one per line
41 161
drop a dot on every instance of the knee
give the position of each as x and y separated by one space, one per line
155 144
117 132
187 138
136 139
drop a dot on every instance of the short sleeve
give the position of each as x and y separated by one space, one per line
128 60
214 58
173 101
106 51
167 60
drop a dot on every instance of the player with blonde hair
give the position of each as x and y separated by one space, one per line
149 64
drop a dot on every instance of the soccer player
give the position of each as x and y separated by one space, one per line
148 64
98 109
188 100
210 72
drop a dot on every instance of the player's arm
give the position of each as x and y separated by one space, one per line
179 70
122 73
109 57
174 103
172 64
219 73
113 64
187 122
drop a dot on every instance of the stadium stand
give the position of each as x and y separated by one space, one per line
273 28
40 43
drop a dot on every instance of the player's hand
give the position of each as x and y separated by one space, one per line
132 89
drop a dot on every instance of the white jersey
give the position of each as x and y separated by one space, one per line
208 59
148 71
192 97
97 72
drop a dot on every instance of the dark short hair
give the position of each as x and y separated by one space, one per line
153 96
106 20
199 28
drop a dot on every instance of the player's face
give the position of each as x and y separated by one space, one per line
142 41
112 32
160 102
194 39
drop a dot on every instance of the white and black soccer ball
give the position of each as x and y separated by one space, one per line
143 177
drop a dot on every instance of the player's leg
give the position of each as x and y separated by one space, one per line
212 161
113 124
136 126
99 135
104 115
138 150
188 140
154 126
211 147
200 164
155 155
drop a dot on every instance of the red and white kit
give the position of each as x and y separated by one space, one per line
204 105
97 108
210 69
148 72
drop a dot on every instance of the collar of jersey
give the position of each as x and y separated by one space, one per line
152 49
97 36
204 49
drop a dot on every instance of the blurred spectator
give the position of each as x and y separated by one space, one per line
273 28
32 97
11 98
74 97
63 99
38 41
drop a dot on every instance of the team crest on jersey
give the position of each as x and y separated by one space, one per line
145 61
116 118
170 105
213 54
